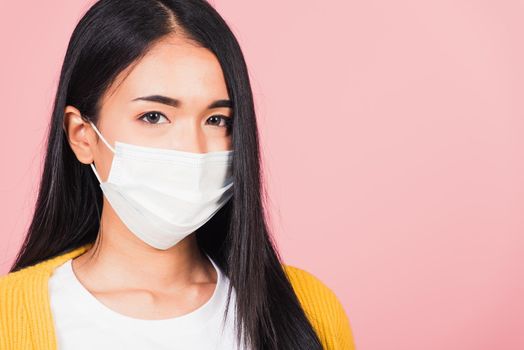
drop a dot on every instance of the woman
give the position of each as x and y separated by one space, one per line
155 238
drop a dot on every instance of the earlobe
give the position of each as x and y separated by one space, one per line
74 127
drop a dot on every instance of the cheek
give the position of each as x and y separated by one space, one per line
229 143
103 161
220 143
127 131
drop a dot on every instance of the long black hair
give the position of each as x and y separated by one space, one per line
112 35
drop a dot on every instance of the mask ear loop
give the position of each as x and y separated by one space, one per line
96 173
102 137
107 144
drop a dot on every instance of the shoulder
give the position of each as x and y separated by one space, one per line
23 285
14 279
24 274
41 270
309 287
323 308
14 284
11 297
23 299
18 290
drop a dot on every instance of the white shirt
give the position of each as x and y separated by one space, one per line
83 322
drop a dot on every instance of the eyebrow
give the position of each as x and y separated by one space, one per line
176 103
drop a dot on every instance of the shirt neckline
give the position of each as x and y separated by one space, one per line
193 320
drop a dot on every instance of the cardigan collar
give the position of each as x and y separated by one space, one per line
36 300
49 265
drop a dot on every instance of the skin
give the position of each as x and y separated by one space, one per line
126 274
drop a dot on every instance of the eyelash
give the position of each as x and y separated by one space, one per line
227 120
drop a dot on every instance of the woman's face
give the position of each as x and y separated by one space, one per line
175 98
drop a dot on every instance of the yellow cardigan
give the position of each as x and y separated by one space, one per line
26 320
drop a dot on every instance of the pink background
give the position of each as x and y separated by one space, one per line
392 138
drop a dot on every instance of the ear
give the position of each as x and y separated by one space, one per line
78 134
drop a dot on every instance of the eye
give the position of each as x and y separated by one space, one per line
152 118
220 121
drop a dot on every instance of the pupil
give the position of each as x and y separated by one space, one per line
155 116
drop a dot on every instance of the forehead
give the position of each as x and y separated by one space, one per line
173 67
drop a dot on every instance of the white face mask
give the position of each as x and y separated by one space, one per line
163 195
